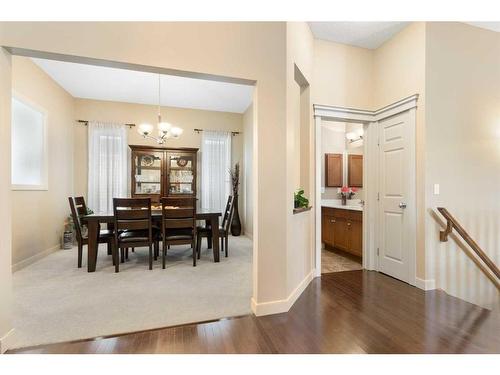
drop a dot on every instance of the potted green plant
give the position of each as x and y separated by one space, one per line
299 199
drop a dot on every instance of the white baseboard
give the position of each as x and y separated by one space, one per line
280 306
26 262
6 341
424 284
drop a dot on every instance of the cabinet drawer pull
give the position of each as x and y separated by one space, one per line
332 221
348 224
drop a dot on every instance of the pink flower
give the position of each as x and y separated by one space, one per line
354 190
344 189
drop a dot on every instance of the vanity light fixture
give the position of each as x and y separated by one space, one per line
165 130
355 136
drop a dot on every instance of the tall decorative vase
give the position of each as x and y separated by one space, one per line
236 223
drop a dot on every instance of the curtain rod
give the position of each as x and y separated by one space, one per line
86 122
200 130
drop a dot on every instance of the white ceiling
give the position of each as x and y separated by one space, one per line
493 26
120 85
370 35
360 34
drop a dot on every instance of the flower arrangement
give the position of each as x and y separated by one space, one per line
346 193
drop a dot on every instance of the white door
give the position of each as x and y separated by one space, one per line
396 230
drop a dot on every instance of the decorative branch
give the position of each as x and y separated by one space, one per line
235 178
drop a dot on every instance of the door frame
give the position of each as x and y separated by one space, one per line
371 228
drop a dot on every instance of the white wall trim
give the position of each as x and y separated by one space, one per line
255 194
281 306
35 258
348 114
412 193
362 115
367 117
371 206
429 284
6 341
396 107
317 195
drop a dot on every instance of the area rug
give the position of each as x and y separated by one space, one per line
54 301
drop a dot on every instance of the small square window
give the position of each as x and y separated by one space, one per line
29 147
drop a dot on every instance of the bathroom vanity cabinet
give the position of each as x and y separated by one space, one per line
342 229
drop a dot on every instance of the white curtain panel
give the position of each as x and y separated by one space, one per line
215 166
108 165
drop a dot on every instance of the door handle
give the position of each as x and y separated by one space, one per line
402 205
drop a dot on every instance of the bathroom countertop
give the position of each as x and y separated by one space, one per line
352 204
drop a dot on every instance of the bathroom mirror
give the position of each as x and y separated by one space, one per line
342 147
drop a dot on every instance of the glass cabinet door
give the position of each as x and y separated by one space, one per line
181 167
147 170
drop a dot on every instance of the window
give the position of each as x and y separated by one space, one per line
215 166
29 148
108 165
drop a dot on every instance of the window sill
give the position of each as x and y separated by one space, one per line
29 188
301 209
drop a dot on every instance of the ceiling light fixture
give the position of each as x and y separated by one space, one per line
165 130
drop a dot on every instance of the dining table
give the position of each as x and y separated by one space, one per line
94 221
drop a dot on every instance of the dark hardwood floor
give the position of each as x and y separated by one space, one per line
344 312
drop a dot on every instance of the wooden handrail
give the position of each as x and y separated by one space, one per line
451 223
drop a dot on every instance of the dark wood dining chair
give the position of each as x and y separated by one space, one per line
133 226
78 209
178 224
206 231
81 206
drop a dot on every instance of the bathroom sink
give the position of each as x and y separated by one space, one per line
336 203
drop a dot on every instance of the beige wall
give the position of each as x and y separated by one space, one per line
398 72
300 227
38 217
187 119
5 202
339 75
247 213
342 75
233 49
463 153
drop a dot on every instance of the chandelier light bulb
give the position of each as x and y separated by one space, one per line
164 128
176 132
351 136
145 129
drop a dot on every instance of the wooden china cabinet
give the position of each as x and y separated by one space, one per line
163 172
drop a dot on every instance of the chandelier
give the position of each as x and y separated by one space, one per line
165 130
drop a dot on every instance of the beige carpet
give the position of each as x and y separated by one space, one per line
55 301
